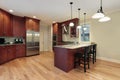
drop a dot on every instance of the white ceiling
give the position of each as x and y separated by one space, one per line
57 10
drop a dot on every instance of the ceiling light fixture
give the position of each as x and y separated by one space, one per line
71 23
11 10
100 15
34 16
79 18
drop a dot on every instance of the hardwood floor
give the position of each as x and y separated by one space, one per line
41 67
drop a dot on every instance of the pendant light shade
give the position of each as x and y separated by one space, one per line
104 19
78 27
100 15
71 23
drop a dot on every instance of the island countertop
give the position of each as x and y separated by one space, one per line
73 46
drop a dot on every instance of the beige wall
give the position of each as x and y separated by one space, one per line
107 37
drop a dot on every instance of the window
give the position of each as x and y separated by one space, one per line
85 32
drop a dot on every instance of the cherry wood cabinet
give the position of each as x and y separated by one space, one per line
32 24
57 34
19 29
3 54
1 23
7 53
5 23
58 30
72 29
55 28
36 25
11 52
20 50
28 24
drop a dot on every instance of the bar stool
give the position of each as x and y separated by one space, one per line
93 52
82 58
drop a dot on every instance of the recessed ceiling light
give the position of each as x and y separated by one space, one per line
54 22
34 16
11 10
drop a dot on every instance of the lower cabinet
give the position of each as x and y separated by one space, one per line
3 54
10 52
7 53
20 50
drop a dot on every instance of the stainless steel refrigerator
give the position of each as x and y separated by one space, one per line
32 40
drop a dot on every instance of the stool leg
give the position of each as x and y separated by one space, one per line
84 62
88 61
93 57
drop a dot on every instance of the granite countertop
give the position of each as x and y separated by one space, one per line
73 46
11 44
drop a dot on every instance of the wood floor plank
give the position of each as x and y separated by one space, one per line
41 67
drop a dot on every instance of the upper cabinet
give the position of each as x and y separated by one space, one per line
72 30
55 28
32 24
5 23
1 23
19 29
57 34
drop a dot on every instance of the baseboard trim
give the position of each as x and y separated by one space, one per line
109 59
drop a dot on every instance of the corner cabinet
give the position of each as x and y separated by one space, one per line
32 24
5 23
19 29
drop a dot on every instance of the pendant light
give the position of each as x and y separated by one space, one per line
105 18
100 15
79 18
71 23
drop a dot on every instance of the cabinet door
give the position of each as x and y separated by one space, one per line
19 29
1 23
29 24
7 18
11 52
3 54
36 25
55 28
20 50
59 34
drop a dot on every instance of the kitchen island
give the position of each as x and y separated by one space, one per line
64 55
